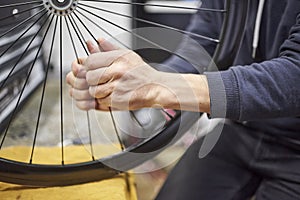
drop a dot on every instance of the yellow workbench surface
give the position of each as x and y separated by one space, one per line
111 189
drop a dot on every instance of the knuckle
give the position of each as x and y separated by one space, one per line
75 68
81 84
104 91
80 105
97 76
90 78
103 102
86 95
84 84
78 70
83 105
76 96
92 91
89 62
100 92
69 78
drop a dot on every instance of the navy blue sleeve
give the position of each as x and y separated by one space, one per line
264 90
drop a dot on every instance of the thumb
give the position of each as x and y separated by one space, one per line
92 47
104 45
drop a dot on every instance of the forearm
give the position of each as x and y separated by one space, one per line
182 92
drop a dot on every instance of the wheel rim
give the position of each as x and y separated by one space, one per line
58 13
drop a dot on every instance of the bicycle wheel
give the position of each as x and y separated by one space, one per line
26 72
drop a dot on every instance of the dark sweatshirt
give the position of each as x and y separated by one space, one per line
262 92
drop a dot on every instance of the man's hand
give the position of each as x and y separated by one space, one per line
114 78
77 78
119 79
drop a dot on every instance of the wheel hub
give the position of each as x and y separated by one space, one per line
60 7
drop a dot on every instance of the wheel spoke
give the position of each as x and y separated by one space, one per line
87 113
114 125
152 23
44 85
116 130
77 27
79 35
61 92
21 12
158 5
122 28
82 38
22 23
111 114
11 45
139 36
102 29
72 40
20 58
122 145
24 86
86 28
110 111
90 135
20 4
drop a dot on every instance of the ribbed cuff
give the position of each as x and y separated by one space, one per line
224 94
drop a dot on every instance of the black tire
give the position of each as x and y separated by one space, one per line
57 175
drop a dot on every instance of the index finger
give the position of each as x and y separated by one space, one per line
92 47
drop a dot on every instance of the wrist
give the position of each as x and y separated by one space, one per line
181 92
199 86
163 91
